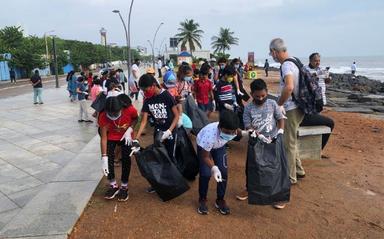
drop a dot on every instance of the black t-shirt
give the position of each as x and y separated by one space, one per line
159 107
36 78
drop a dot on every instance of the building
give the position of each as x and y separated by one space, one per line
175 50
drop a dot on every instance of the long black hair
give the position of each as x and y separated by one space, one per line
116 103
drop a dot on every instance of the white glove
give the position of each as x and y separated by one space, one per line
104 165
180 122
239 92
135 147
85 93
213 106
252 133
280 131
216 174
127 136
166 134
228 106
264 139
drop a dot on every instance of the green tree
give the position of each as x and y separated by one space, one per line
11 37
224 40
190 33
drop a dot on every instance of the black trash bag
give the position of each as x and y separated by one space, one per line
186 157
268 173
99 103
198 117
155 166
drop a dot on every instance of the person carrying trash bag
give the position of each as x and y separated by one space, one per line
267 175
160 105
212 155
116 124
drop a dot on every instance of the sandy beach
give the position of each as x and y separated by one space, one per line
341 197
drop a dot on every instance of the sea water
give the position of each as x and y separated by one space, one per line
369 66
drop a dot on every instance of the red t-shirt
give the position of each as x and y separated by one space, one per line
202 87
117 128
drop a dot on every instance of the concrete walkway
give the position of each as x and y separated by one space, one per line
49 165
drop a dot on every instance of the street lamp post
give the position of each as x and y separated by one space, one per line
128 40
55 58
153 45
46 49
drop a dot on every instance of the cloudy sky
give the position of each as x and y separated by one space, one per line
333 28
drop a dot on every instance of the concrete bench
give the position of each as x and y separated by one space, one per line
309 141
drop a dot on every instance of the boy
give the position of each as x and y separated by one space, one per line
225 90
81 91
160 105
264 118
212 155
202 90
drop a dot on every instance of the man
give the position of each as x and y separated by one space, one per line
266 67
37 88
353 68
323 77
289 84
12 74
135 77
159 66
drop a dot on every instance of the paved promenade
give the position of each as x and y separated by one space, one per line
49 165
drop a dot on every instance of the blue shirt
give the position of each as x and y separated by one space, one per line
81 87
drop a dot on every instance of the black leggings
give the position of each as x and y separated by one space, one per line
318 119
125 160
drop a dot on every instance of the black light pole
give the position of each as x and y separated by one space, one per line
55 59
153 45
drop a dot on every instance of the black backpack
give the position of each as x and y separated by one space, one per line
309 98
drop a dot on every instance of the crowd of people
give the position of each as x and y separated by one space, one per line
214 87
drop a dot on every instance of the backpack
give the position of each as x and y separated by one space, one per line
309 98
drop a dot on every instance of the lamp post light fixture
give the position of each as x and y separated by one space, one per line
153 45
128 40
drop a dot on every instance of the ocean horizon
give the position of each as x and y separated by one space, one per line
369 66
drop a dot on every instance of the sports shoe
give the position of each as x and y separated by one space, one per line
41 103
151 190
111 192
203 208
88 121
123 194
221 205
35 103
80 120
279 205
242 196
299 176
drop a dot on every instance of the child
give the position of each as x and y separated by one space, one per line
211 152
203 90
225 90
264 117
81 93
160 105
116 124
96 88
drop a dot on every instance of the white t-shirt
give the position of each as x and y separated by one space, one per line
209 137
289 68
137 69
159 64
353 67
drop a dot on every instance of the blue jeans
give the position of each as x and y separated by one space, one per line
220 158
205 107
37 92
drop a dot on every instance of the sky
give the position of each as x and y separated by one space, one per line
333 28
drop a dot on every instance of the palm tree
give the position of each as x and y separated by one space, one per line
224 40
190 33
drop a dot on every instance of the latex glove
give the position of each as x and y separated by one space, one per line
127 136
252 133
239 92
104 165
216 174
264 139
85 93
280 131
135 147
228 107
166 134
180 122
213 106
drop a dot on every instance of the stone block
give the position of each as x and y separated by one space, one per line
309 147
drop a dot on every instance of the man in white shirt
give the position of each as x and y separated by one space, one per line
135 78
159 66
353 68
289 84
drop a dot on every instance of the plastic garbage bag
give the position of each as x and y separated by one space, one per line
268 173
198 117
186 156
161 173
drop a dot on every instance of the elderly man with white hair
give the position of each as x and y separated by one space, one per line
289 85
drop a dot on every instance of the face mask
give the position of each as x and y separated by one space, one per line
188 78
149 93
222 66
260 102
237 65
229 79
114 116
227 137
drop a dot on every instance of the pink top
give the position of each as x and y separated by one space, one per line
95 91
